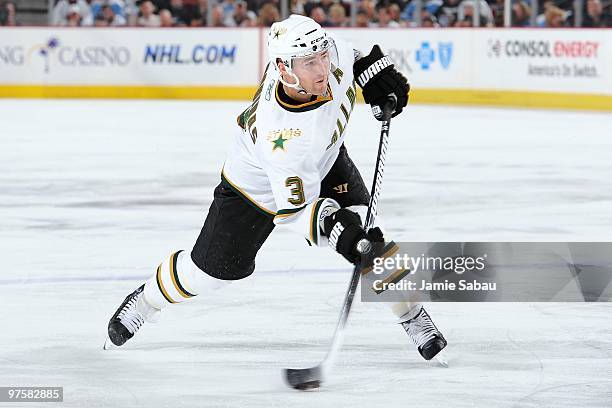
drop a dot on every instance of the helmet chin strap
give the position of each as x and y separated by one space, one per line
296 85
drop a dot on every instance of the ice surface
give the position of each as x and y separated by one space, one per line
94 194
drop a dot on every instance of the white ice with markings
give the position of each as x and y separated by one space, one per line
94 194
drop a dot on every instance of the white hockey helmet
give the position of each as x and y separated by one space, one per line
298 37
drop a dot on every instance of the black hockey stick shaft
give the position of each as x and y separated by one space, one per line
370 217
308 378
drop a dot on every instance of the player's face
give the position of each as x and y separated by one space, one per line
313 72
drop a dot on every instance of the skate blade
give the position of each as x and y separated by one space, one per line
108 345
442 359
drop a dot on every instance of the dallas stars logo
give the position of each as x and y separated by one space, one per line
280 137
278 32
279 143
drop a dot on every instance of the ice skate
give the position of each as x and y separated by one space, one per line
129 318
426 336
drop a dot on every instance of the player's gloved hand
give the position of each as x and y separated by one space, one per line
344 230
378 79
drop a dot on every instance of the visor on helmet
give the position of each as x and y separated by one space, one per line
324 54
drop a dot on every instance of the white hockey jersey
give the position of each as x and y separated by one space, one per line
282 152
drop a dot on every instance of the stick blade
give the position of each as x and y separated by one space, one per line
304 379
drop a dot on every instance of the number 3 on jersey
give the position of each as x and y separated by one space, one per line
297 192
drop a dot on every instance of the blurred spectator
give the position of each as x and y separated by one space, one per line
328 13
555 6
595 16
369 8
394 12
465 12
521 14
147 17
362 20
268 14
73 17
568 7
181 13
318 15
324 4
237 16
428 21
199 15
432 7
297 7
117 6
337 16
112 19
217 16
59 15
448 16
384 19
555 17
165 19
228 10
100 21
497 7
387 3
251 20
130 12
467 22
8 14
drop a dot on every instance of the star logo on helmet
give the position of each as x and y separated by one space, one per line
278 32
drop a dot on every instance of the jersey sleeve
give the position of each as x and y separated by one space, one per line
286 157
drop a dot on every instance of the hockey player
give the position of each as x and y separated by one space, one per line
288 167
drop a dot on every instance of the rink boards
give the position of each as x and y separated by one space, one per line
564 68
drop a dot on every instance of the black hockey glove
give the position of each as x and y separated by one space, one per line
378 79
344 231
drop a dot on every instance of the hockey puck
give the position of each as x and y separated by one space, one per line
310 385
303 379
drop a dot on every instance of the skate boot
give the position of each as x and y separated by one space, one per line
425 335
128 318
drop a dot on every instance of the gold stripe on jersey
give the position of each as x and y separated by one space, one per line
247 118
288 212
337 73
246 197
351 94
306 106
160 285
345 112
175 279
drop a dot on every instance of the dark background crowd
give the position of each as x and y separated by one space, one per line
328 13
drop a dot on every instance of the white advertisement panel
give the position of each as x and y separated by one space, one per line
130 56
544 60
480 65
428 58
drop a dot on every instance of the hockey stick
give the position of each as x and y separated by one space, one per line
309 378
